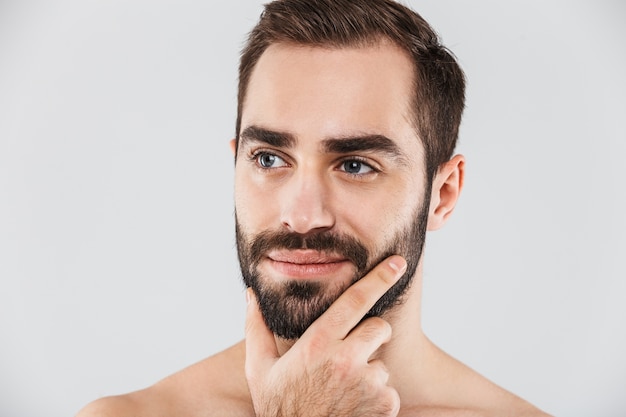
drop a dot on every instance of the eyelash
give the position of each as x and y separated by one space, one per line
360 160
254 155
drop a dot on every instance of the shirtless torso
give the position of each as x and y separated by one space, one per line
217 387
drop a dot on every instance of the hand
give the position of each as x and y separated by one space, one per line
328 371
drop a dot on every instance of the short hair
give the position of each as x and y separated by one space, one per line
439 83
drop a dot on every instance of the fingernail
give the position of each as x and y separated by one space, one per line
398 264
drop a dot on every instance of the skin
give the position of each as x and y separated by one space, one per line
342 365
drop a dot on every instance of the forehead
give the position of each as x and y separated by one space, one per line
321 92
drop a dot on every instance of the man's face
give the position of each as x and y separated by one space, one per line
329 178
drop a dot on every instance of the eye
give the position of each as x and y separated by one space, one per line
356 167
269 160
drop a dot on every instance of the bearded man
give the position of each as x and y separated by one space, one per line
348 117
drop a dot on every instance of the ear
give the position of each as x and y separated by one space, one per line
233 146
446 190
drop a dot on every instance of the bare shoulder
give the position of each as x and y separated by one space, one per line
497 401
491 400
457 390
121 405
215 386
510 405
464 412
514 409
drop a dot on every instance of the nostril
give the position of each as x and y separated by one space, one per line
304 202
307 221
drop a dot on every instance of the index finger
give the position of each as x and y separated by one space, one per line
351 306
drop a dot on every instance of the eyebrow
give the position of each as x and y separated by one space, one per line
341 145
269 137
362 143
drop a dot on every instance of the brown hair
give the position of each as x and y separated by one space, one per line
439 81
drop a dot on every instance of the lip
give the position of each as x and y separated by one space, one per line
308 265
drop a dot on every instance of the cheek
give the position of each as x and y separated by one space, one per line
254 206
377 217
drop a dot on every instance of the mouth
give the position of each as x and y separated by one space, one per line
308 265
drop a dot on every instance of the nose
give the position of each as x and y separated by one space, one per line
305 205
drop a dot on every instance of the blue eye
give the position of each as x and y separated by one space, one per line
268 160
356 167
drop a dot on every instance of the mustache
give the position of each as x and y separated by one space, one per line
341 244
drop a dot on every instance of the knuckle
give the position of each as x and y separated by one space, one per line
374 328
352 301
317 343
377 323
357 297
386 275
341 365
379 367
390 402
337 315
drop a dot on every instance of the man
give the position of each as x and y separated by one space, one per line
348 116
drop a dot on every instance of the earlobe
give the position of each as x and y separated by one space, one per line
447 186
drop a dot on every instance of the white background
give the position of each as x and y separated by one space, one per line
117 257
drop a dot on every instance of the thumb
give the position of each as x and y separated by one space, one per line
261 350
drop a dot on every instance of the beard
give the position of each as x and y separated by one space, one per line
289 308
